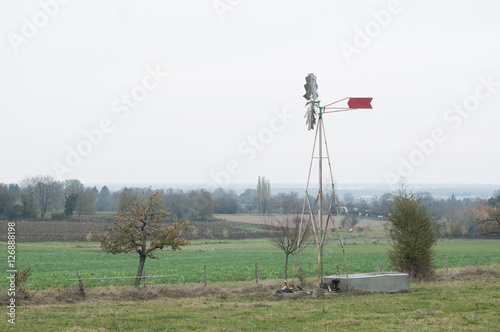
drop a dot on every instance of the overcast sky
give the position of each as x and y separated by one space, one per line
211 91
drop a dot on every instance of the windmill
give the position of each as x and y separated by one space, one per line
324 217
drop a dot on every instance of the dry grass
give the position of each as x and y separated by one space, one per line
467 273
72 294
463 299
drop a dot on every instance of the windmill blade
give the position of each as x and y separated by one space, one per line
310 117
311 87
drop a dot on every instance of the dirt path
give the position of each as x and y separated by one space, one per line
261 220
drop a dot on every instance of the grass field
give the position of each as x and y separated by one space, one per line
463 300
53 263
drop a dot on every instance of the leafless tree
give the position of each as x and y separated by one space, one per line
45 190
351 215
285 234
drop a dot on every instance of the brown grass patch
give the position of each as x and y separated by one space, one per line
467 273
263 287
72 294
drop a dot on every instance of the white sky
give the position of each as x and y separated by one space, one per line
231 71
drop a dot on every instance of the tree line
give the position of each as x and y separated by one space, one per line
41 197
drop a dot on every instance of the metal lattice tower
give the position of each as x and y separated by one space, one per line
323 218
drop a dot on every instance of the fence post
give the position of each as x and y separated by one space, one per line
143 279
338 270
379 269
80 282
477 265
205 274
446 262
256 272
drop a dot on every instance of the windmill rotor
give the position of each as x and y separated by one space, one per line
311 95
311 87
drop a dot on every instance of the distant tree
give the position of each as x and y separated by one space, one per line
85 203
381 205
85 197
204 205
104 200
285 234
15 191
494 201
225 202
70 204
176 202
28 206
6 201
125 199
263 195
73 186
248 200
351 216
487 216
142 228
199 205
413 234
46 191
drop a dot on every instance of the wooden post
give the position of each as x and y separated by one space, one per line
446 262
379 269
80 282
256 272
477 265
205 274
143 279
338 270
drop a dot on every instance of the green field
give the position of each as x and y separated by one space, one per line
465 298
52 264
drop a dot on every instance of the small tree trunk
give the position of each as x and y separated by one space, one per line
142 260
286 267
256 272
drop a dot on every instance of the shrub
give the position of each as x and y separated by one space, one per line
414 235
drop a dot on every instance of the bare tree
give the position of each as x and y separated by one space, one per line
291 203
45 190
285 234
351 215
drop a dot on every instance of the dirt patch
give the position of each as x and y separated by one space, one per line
365 222
262 220
248 219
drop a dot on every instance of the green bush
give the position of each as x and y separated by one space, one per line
414 234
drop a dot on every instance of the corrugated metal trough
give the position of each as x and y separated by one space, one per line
370 282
